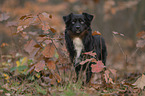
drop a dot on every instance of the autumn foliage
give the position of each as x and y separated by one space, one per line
35 61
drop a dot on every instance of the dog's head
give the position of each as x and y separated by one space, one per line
77 23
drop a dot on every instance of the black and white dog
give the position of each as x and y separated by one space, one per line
79 39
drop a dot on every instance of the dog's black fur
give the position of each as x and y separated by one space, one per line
78 26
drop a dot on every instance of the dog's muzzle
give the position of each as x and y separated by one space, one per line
78 31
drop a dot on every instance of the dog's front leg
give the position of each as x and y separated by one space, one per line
77 70
88 73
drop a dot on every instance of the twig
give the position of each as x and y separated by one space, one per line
125 56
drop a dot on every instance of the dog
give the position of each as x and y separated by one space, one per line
79 39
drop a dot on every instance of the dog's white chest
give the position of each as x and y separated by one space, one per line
78 44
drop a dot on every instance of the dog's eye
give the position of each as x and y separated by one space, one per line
82 22
73 22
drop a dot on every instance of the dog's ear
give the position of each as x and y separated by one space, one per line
67 18
88 16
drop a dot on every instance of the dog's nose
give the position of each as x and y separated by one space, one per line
77 27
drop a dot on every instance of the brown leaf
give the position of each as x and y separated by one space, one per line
98 67
90 53
4 16
87 60
33 53
40 66
38 45
50 64
116 33
52 29
4 44
45 26
113 71
58 78
108 79
21 18
47 15
42 35
49 51
140 83
62 57
12 23
140 43
106 75
29 46
26 17
19 28
141 34
50 16
96 33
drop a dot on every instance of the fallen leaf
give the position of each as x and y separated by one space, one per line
98 67
39 66
140 83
